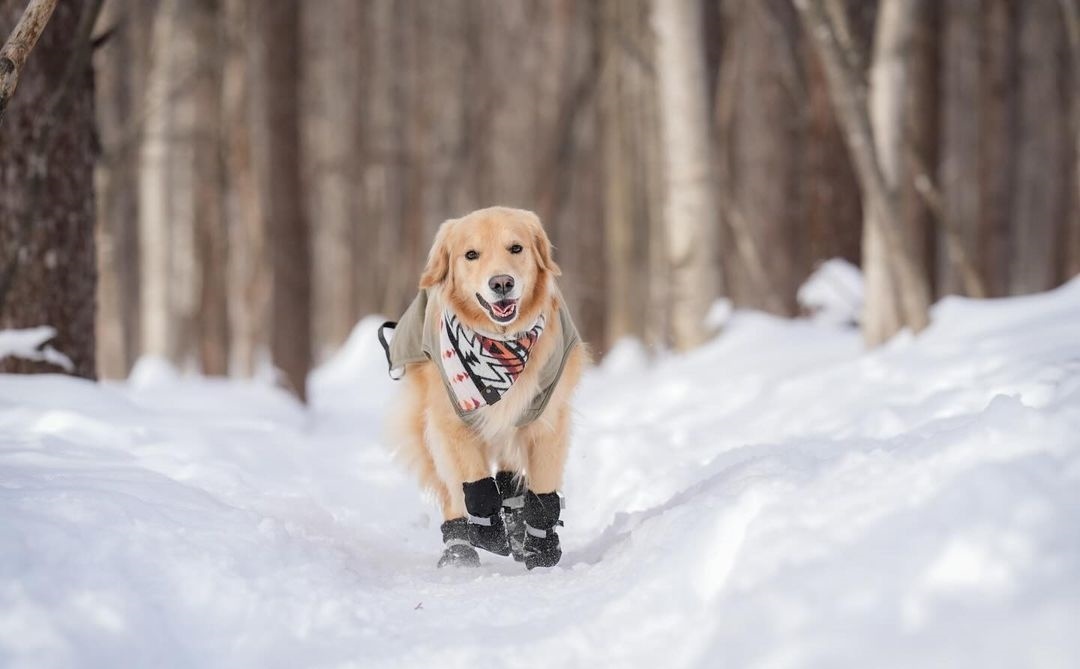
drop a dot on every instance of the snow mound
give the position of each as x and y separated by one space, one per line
32 344
834 293
777 498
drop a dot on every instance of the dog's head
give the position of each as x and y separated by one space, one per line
493 267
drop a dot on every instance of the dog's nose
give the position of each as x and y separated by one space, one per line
501 285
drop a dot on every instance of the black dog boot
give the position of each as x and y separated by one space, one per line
486 529
541 547
456 549
512 491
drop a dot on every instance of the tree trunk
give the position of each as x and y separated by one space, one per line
248 270
330 99
625 90
47 194
875 178
986 131
166 189
767 258
889 86
1070 10
832 213
211 234
690 209
119 89
1041 190
276 150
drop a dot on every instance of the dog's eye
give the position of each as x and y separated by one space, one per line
516 248
471 255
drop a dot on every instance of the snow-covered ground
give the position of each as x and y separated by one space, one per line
778 498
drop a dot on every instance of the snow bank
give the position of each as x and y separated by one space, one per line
833 293
777 498
32 344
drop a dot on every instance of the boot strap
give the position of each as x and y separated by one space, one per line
480 520
517 502
450 543
540 534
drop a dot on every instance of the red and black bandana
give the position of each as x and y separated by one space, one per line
481 368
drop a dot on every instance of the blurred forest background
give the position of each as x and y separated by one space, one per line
251 177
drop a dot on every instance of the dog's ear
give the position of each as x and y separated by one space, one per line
542 247
438 262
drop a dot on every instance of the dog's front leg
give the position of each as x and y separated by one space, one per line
547 443
473 507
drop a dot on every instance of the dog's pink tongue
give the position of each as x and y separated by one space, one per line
503 308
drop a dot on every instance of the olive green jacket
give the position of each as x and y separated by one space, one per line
416 339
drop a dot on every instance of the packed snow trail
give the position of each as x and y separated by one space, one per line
778 498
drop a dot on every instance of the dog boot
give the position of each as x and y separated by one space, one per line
512 491
541 546
456 549
486 529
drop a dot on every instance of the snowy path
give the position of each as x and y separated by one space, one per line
776 499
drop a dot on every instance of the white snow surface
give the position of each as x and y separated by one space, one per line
32 344
777 498
833 293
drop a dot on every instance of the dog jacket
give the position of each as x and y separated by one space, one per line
476 369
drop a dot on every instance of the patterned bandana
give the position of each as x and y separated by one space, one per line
482 369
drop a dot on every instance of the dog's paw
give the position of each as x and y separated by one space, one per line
459 556
542 551
490 537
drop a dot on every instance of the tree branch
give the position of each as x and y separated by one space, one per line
17 48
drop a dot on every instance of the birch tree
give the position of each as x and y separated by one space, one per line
898 292
690 207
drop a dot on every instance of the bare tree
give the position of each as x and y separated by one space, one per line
248 268
211 234
276 149
1040 205
120 66
884 236
331 101
761 124
1071 11
50 277
624 91
690 210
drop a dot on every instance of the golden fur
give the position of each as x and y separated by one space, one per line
431 439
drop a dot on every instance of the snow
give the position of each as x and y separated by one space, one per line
777 498
833 293
32 344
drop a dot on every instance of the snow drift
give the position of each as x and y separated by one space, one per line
778 498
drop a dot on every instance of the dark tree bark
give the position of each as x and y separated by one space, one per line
276 43
832 211
211 234
763 195
1039 208
995 120
47 192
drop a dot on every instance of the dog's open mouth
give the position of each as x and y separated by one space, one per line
502 311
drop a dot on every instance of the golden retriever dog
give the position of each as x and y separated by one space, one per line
490 358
